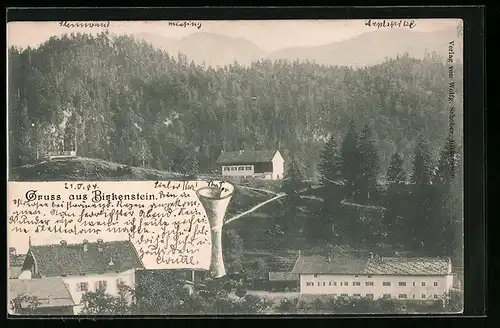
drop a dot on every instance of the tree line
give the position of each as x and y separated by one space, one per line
419 210
123 100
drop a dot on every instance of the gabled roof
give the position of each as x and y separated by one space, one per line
246 157
51 292
71 259
347 264
317 264
407 266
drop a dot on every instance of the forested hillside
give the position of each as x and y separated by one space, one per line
132 104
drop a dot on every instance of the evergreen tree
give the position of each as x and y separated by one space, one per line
350 160
331 170
292 183
423 167
369 164
396 174
422 226
330 165
184 160
396 200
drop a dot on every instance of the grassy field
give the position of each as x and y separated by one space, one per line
87 169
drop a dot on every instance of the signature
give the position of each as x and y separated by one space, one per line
185 24
101 24
405 23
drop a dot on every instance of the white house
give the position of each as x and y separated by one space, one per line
85 266
258 164
406 279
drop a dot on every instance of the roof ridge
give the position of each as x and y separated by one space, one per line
80 243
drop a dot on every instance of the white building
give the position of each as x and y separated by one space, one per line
405 279
85 266
257 164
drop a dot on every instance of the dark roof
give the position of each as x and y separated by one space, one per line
408 266
317 264
283 276
51 292
71 259
247 156
347 264
17 260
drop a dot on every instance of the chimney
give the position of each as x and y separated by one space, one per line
371 255
85 245
329 258
12 251
241 151
63 243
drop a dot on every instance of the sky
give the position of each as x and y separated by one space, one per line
270 35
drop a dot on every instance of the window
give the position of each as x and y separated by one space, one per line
386 283
413 295
335 283
356 283
102 284
82 286
233 168
248 168
435 283
370 296
318 283
369 283
241 168
330 283
309 284
369 276
423 283
324 283
414 283
345 295
356 276
386 296
315 276
402 296
346 283
423 295
226 168
356 295
402 283
435 296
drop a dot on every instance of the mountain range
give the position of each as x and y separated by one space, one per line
367 49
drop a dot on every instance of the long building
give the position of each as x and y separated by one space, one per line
252 164
422 279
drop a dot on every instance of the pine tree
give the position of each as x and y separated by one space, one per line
369 164
292 183
422 226
396 173
350 160
330 167
331 170
396 200
423 168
